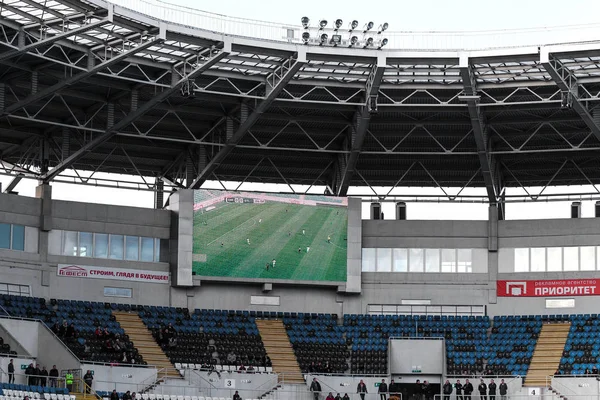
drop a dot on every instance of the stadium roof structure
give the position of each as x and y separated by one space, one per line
184 97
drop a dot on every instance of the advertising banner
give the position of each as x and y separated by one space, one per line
121 274
548 288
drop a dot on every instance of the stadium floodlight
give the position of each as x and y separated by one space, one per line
323 39
368 26
338 24
368 43
382 43
323 23
353 41
305 37
305 22
336 39
383 27
353 25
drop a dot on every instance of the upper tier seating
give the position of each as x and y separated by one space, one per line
318 342
582 349
369 334
217 337
76 323
511 344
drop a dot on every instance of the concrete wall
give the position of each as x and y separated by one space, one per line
107 378
41 344
46 218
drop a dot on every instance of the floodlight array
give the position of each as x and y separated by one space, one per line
365 38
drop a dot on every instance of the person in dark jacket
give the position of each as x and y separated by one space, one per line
88 378
114 395
503 389
338 397
346 397
427 391
467 389
29 373
43 377
237 396
447 390
361 389
418 394
53 376
382 390
127 395
11 372
492 390
459 388
315 387
37 372
393 389
482 389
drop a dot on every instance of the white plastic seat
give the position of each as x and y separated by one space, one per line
180 397
200 398
194 397
208 398
21 394
269 369
187 397
36 395
72 397
177 365
60 397
159 397
144 396
222 398
173 397
53 396
47 396
152 396
184 366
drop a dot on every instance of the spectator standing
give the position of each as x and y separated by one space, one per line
393 389
382 390
43 377
127 395
114 395
237 396
447 390
467 389
492 390
88 378
427 391
503 389
346 397
37 373
338 397
459 388
315 387
53 376
330 396
482 388
29 373
361 389
11 371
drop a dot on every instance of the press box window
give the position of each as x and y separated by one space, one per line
118 292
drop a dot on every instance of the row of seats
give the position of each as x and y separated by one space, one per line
75 323
16 389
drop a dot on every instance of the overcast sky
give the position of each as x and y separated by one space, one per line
422 15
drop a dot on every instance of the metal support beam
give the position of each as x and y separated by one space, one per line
362 117
567 83
79 77
480 129
52 39
212 59
11 186
274 85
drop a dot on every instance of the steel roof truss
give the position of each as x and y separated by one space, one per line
213 57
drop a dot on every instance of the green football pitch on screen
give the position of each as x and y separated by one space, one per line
271 236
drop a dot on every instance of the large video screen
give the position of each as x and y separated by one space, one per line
271 236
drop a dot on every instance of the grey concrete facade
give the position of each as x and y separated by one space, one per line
37 265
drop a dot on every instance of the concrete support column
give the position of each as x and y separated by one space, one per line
44 192
492 252
180 250
354 268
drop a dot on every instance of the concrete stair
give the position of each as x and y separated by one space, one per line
280 351
142 339
547 354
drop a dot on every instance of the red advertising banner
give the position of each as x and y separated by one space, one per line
548 288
